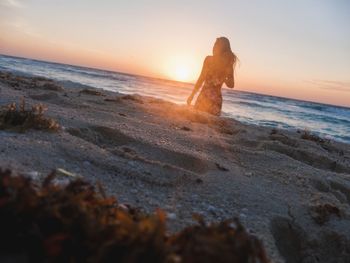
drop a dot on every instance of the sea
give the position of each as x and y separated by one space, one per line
328 121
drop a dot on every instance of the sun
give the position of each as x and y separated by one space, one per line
181 68
182 73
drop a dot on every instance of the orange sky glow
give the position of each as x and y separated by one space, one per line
299 51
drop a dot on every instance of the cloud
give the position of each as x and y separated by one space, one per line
11 3
331 85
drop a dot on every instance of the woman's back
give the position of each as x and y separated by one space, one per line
217 69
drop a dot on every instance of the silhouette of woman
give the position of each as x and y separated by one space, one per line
217 69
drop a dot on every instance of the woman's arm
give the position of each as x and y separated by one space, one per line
230 79
199 82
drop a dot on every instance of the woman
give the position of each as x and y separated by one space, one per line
217 69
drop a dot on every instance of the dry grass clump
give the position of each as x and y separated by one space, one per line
21 119
74 223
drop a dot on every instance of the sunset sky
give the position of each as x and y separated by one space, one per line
298 49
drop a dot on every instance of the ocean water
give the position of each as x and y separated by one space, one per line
325 120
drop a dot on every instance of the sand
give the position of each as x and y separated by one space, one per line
293 193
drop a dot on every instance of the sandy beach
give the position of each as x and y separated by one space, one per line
291 191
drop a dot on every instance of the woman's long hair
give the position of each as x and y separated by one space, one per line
223 54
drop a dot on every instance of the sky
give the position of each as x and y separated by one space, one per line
297 49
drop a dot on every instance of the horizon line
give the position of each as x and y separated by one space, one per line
170 80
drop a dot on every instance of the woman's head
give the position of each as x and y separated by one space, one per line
222 50
222 45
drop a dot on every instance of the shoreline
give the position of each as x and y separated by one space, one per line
168 80
151 153
341 139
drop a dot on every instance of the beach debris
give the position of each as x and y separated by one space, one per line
321 213
73 222
171 216
63 172
122 114
224 128
49 85
283 139
45 96
212 209
91 92
221 168
135 98
199 181
13 117
242 215
113 99
273 131
307 135
185 128
10 79
38 78
227 241
29 82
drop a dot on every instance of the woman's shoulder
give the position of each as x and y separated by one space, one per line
208 60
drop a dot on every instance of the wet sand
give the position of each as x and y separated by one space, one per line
293 193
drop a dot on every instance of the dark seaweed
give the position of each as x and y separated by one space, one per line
76 223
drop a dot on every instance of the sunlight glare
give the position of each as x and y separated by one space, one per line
182 73
182 69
